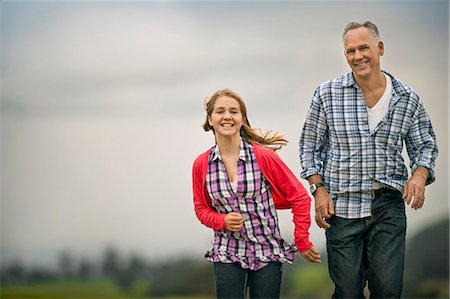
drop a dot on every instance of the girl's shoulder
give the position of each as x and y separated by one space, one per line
202 159
263 150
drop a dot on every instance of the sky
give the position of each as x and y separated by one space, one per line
102 106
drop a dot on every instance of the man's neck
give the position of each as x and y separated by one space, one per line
372 83
372 88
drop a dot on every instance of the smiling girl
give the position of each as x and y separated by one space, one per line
238 184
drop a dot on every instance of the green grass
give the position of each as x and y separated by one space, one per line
312 282
97 289
73 289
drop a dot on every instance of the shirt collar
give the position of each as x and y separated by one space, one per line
399 88
348 80
243 151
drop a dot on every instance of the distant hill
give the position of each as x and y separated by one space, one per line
427 263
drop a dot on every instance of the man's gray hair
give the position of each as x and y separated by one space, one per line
373 30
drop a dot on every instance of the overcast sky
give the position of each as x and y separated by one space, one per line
102 106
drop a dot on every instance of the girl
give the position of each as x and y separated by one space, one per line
238 184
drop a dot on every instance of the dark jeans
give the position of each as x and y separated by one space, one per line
371 249
232 281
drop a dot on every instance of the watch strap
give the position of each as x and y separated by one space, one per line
313 188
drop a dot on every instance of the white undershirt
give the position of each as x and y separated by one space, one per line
234 186
378 112
380 109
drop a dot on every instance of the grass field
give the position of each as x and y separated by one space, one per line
74 290
307 282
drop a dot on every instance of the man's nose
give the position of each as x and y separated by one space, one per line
358 54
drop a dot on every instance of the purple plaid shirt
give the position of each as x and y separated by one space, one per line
259 242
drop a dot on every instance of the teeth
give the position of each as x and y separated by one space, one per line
227 125
361 64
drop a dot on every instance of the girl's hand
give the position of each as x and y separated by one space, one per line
311 255
234 221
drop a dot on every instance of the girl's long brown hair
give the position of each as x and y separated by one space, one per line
268 139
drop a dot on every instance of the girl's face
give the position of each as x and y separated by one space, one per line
226 117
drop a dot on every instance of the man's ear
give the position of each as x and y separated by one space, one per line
381 48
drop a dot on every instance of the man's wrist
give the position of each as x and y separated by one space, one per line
422 173
316 186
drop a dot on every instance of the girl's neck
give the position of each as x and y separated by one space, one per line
229 146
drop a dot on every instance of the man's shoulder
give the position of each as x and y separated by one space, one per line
403 93
342 81
399 86
328 90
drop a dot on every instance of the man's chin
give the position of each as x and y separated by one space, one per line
361 74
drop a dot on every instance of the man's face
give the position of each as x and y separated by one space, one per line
363 52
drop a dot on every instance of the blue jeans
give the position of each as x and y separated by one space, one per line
369 250
232 281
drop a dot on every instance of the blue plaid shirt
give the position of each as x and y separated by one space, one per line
337 144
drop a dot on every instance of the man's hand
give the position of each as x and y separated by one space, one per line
234 221
311 255
324 207
414 191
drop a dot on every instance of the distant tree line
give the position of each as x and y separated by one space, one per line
182 276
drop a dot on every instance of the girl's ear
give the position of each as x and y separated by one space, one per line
209 121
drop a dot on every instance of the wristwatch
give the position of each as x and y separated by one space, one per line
315 186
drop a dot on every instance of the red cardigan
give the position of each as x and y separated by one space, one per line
287 193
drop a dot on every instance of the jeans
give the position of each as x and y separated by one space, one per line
232 281
369 250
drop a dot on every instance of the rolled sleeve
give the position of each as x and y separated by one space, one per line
421 143
313 139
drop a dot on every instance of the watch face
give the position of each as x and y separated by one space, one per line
314 187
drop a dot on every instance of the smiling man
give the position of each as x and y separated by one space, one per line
351 154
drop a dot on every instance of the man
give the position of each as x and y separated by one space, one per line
350 150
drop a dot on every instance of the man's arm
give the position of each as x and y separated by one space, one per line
422 151
414 190
312 148
323 203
